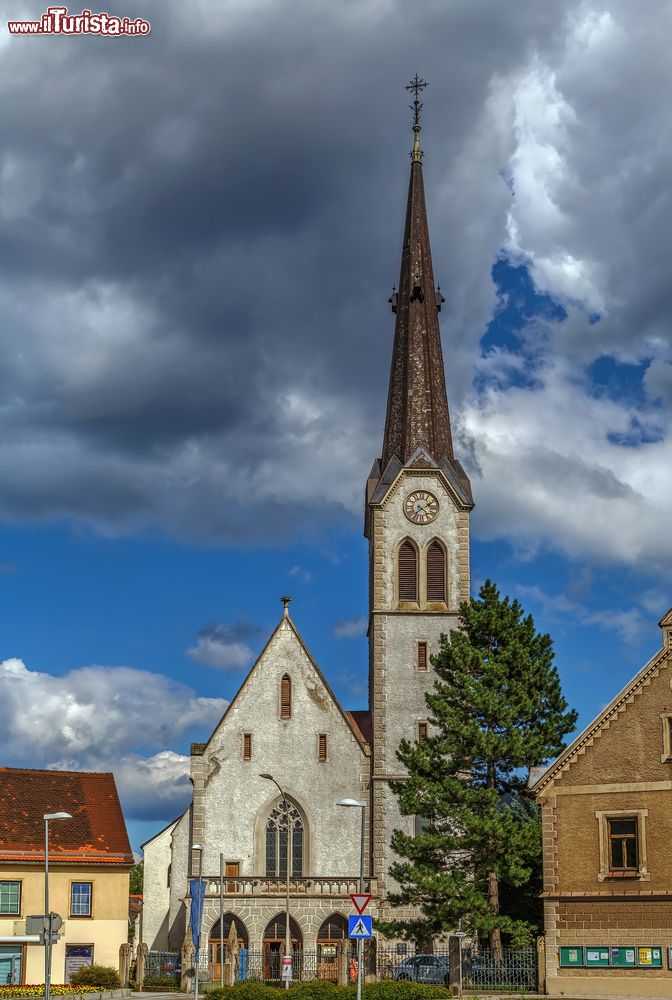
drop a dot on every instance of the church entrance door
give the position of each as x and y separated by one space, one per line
274 947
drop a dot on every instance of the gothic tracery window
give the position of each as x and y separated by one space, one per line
277 841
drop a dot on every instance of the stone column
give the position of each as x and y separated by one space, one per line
125 952
187 977
541 964
140 966
456 965
342 963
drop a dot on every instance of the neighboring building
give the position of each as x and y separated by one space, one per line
89 863
286 720
607 833
156 879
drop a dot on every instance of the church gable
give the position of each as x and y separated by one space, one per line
284 696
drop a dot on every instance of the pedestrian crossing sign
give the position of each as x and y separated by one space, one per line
360 926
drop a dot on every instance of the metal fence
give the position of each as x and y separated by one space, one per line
517 970
480 971
163 963
266 966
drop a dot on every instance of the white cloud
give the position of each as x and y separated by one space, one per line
349 628
299 573
551 471
629 623
105 718
217 652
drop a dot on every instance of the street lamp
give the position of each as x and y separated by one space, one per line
47 915
358 804
199 911
285 803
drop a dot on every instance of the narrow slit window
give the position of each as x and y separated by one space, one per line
422 656
422 732
436 573
408 572
247 746
322 748
286 697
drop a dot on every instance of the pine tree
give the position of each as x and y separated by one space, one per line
496 711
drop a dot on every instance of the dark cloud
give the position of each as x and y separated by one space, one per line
200 229
226 647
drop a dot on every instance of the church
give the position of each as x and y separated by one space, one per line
286 753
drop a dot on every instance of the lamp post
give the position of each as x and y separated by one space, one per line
269 777
358 804
47 915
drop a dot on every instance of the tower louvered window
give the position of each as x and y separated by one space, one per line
422 656
286 697
322 747
436 573
408 572
247 746
422 732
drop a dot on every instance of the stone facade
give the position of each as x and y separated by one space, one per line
157 872
232 804
619 769
398 687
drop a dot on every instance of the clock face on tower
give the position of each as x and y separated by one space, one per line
421 507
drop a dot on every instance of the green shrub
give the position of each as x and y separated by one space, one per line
403 989
102 976
324 989
161 979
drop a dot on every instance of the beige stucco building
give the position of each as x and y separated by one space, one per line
286 721
607 835
89 864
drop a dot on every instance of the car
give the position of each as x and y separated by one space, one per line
424 969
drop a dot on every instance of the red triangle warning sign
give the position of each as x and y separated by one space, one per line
360 901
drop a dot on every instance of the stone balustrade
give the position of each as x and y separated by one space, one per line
311 885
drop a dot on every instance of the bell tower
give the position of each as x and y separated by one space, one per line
418 501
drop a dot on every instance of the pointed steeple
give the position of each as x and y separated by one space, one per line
417 405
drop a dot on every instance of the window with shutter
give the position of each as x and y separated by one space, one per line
436 573
286 697
422 732
322 747
247 746
408 572
422 656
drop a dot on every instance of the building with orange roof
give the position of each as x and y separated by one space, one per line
89 863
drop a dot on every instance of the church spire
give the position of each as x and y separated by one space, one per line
417 405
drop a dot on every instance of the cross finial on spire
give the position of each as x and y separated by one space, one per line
286 600
416 86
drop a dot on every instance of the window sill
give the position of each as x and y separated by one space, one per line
642 875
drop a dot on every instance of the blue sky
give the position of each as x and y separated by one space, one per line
195 343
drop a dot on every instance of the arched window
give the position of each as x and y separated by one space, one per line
436 573
408 572
334 928
286 697
276 841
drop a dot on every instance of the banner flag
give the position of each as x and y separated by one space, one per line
197 893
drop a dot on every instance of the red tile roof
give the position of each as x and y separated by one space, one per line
363 722
96 834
